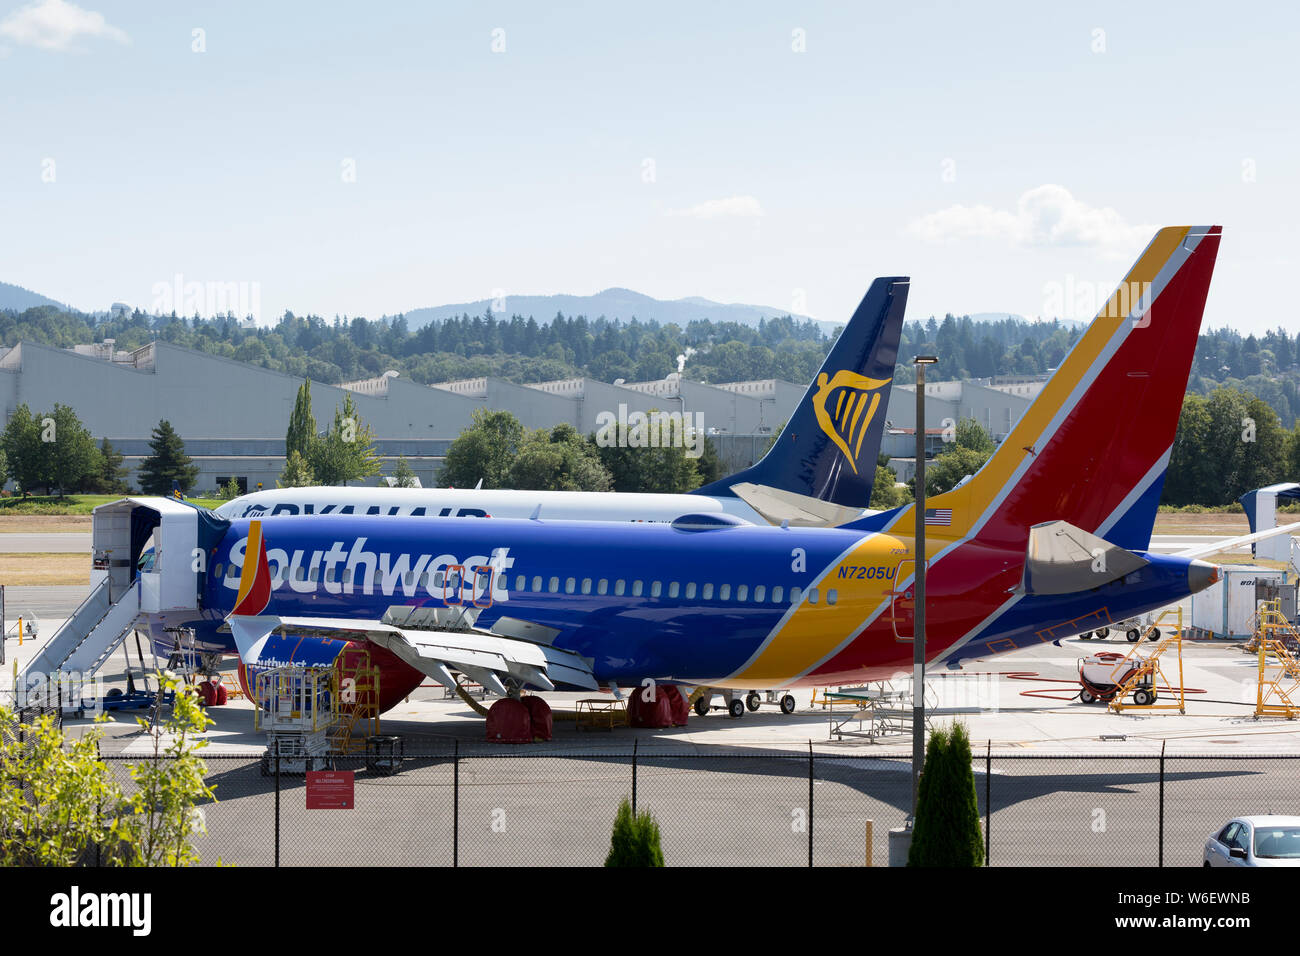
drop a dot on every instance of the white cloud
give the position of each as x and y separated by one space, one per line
1044 216
745 207
56 25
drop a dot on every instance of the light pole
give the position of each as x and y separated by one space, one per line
918 631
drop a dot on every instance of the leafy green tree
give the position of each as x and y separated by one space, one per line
558 459
61 806
1190 470
301 436
403 476
885 493
167 464
4 468
27 455
947 469
635 840
946 831
297 472
73 457
229 491
971 434
347 451
483 452
1264 447
162 821
657 463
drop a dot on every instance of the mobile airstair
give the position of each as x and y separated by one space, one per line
148 559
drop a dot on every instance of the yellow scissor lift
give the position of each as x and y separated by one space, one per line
1278 690
1144 682
296 709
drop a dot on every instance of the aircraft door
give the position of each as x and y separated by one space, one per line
482 585
902 606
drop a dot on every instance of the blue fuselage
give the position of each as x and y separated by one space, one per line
644 600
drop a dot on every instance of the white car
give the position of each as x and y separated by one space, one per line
1256 841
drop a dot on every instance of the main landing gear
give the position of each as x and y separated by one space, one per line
736 705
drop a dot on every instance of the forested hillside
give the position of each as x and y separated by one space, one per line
1230 370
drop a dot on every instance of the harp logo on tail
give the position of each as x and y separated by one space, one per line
845 405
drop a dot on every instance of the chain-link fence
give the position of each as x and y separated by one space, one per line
474 807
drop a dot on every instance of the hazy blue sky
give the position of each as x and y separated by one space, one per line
1008 157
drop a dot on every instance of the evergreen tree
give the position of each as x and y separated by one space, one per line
635 840
111 479
167 464
946 831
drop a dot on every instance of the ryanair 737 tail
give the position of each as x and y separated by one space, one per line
821 468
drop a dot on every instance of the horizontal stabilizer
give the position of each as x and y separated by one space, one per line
1063 559
250 633
778 505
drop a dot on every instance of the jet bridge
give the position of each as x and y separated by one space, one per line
148 559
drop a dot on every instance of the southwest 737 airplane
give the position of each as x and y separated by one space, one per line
1048 539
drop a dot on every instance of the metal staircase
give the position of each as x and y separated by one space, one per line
94 631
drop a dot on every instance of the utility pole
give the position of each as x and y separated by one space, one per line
918 633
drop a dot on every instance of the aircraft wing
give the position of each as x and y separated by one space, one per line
482 656
1201 550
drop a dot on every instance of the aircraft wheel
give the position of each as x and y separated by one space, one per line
1154 635
702 705
1142 697
737 707
787 704
753 700
1086 636
1133 635
1102 633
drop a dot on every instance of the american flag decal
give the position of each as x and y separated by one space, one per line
938 516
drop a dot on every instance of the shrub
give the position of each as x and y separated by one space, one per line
635 841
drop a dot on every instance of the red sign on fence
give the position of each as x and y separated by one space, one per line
329 790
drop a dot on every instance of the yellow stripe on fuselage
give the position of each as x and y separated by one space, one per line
813 631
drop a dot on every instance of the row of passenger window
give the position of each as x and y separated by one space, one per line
759 594
344 576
